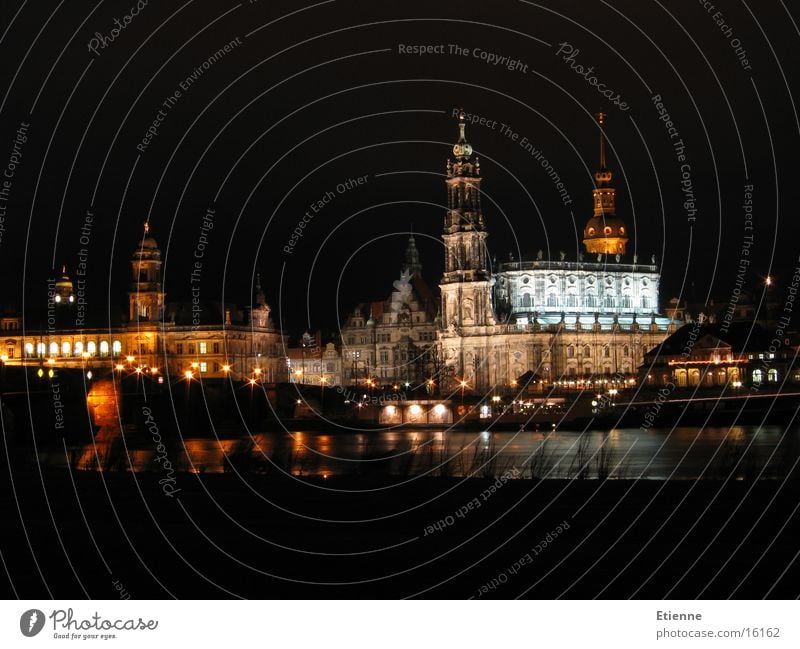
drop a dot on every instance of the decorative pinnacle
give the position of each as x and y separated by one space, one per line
146 227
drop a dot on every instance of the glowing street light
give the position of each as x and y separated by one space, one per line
189 375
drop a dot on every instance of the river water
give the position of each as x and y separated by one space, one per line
769 452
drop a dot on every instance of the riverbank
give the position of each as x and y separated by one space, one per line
277 536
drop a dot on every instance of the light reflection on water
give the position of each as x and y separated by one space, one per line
684 453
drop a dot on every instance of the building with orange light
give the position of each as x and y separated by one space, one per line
160 339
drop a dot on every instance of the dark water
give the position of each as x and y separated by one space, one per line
768 452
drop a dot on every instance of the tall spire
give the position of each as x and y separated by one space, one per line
601 118
603 175
413 264
605 232
260 298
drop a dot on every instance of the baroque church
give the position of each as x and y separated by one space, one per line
558 322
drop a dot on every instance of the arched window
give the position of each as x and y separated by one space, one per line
91 347
587 370
570 352
645 302
758 376
551 299
28 350
66 348
606 352
572 299
626 301
526 301
103 348
772 375
78 348
587 351
609 301
625 351
53 349
591 300
116 348
40 349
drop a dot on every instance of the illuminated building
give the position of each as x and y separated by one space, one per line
393 342
567 322
160 339
712 354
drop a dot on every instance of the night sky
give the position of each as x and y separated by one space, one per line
308 98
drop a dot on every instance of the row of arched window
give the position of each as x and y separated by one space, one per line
526 301
606 351
66 348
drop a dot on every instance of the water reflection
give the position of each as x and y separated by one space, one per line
684 453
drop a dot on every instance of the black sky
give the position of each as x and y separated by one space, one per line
319 96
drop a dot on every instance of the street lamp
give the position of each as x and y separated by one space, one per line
356 357
306 343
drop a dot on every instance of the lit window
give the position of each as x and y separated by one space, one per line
758 376
40 349
772 375
116 348
103 348
53 349
607 230
78 348
91 347
203 348
66 348
204 367
29 349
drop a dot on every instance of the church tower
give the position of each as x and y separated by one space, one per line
412 263
261 310
466 283
146 299
604 233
